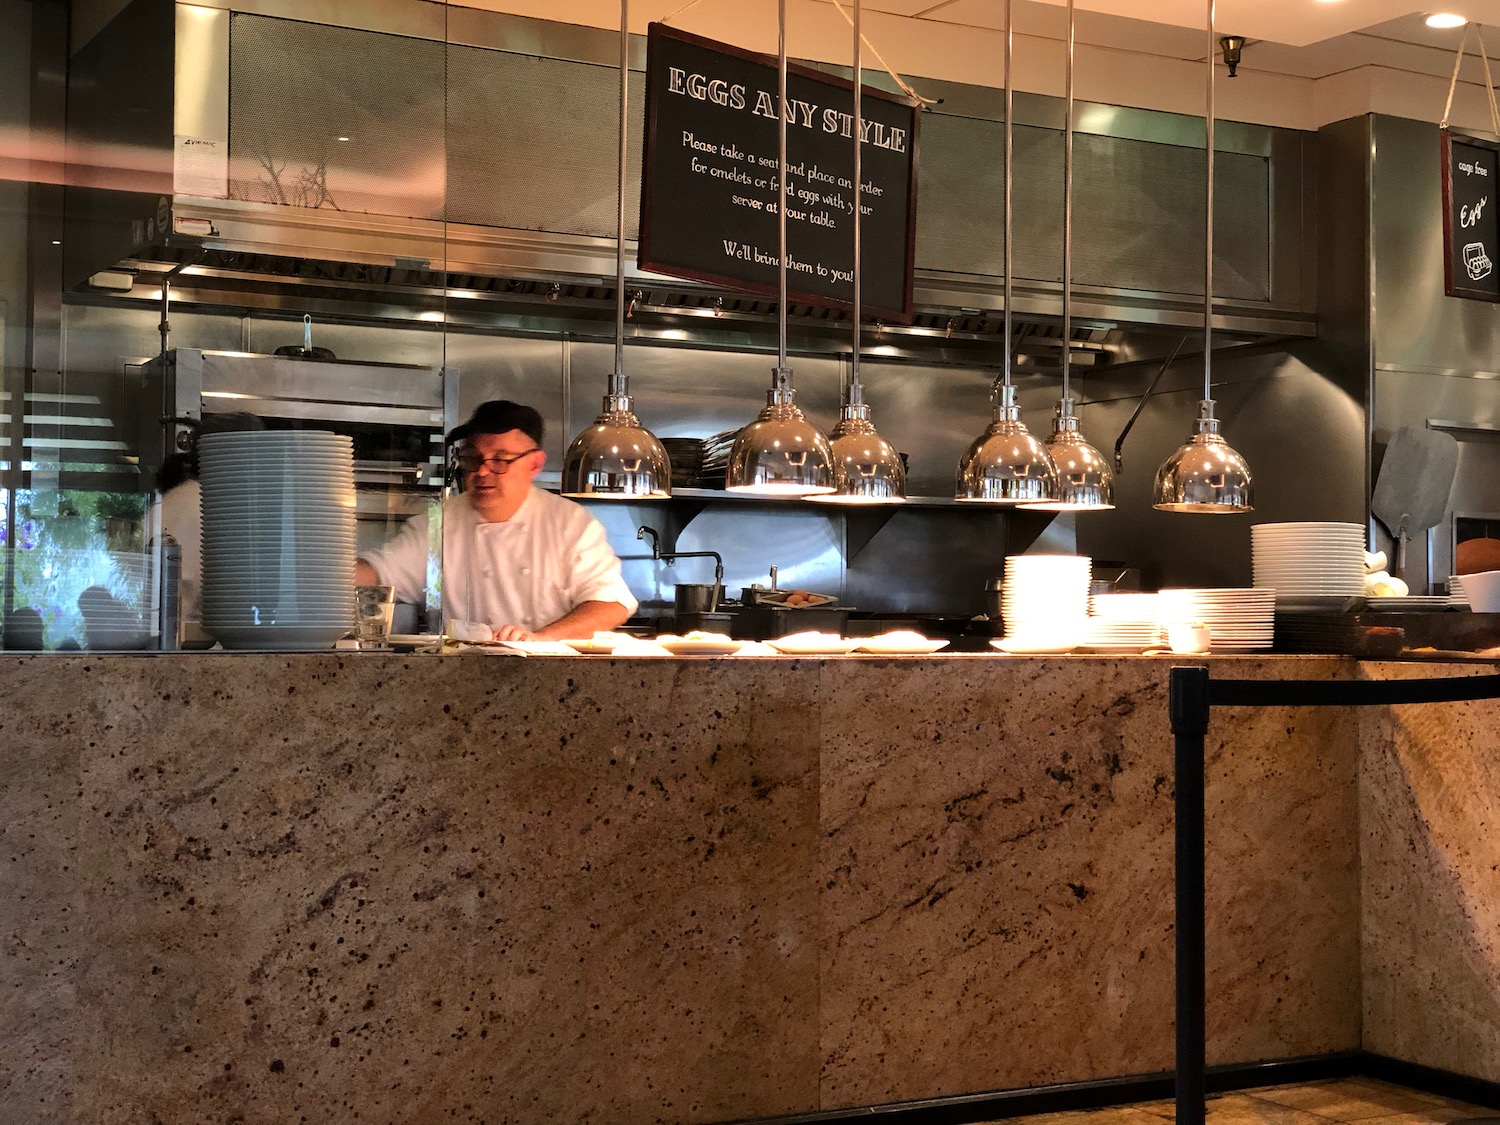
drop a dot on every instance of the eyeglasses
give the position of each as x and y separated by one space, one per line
470 461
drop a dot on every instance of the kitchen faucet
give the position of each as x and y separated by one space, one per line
669 557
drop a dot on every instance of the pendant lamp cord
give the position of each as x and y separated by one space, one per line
854 388
618 380
781 367
1208 223
1067 278
1010 116
1489 82
896 78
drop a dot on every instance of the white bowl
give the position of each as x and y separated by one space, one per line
1483 591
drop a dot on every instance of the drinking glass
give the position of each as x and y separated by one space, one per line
373 607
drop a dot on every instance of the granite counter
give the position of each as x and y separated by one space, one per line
268 888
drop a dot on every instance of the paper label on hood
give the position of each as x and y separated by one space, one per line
201 167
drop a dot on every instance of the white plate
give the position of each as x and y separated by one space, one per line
310 467
878 647
309 553
814 644
273 437
681 646
414 640
592 648
278 501
1018 646
1307 528
275 637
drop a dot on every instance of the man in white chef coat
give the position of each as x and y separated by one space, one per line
518 562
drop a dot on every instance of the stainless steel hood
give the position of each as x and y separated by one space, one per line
306 166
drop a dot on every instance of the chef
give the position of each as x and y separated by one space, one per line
519 563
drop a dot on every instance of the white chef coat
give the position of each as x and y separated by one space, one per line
529 570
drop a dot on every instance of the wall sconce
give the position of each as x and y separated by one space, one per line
1232 45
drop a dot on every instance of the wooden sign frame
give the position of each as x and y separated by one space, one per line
711 154
1471 221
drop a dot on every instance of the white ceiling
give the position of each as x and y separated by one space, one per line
1302 38
1296 23
1305 62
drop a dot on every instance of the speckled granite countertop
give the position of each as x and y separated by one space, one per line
261 888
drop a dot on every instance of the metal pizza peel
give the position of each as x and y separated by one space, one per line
1411 491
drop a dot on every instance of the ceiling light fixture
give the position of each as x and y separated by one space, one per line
1085 482
1444 21
1232 46
617 458
866 469
1006 464
1206 474
780 454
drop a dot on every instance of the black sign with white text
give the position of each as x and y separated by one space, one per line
710 184
1471 217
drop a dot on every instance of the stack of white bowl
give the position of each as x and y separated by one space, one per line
278 538
1236 619
1127 622
1046 598
1309 565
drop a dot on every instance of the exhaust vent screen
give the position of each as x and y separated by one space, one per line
533 143
331 117
1137 210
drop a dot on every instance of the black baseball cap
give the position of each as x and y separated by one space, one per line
499 416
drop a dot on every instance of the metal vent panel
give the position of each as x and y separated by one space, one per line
1137 210
533 143
296 88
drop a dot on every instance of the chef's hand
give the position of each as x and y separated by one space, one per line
514 633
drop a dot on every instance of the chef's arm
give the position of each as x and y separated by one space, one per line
585 619
364 574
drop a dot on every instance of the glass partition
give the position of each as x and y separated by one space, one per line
299 218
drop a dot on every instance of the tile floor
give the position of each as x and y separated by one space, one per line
1362 1100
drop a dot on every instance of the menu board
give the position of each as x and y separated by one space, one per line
710 186
1471 217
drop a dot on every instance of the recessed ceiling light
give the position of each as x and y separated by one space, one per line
1445 20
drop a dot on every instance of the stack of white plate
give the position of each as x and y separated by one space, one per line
1046 598
1123 622
278 538
1309 565
1456 595
1236 619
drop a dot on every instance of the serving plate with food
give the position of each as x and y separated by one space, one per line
900 642
699 643
814 644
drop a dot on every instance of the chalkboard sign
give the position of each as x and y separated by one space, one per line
709 188
1471 217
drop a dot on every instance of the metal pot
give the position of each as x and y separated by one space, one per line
698 598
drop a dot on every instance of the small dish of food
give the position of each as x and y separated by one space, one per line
900 642
814 644
699 643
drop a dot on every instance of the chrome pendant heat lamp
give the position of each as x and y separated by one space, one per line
781 453
1006 464
1085 481
866 469
617 458
1206 474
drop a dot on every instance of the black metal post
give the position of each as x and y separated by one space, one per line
1189 709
